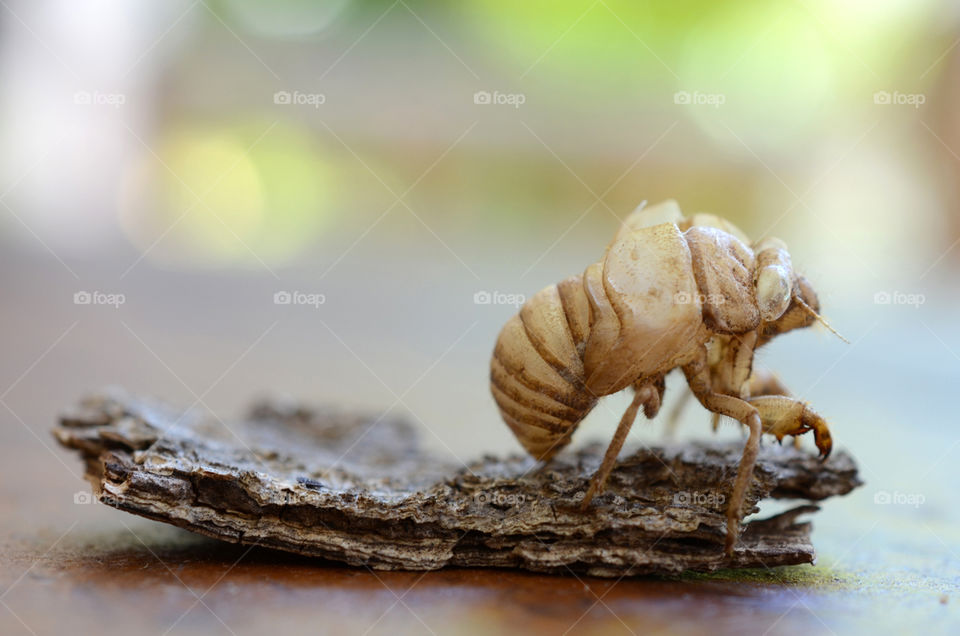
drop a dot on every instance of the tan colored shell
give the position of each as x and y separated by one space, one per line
636 314
536 372
669 292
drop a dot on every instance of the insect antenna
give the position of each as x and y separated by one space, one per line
821 319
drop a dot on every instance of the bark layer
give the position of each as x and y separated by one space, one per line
359 489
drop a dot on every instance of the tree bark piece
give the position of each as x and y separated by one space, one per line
359 489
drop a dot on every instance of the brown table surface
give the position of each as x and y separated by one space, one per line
67 568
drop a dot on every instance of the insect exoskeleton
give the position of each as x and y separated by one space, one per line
670 292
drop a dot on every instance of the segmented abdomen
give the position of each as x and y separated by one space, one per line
537 372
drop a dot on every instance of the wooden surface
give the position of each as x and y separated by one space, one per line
88 568
162 580
155 585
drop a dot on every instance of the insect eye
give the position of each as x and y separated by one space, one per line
773 292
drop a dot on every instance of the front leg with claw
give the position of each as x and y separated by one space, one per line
782 415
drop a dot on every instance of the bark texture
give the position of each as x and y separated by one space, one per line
359 489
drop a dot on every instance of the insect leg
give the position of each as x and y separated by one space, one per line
610 457
767 383
698 377
649 395
782 415
730 375
742 363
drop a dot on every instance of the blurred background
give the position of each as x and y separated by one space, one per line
343 201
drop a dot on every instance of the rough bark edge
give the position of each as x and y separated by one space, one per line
388 505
